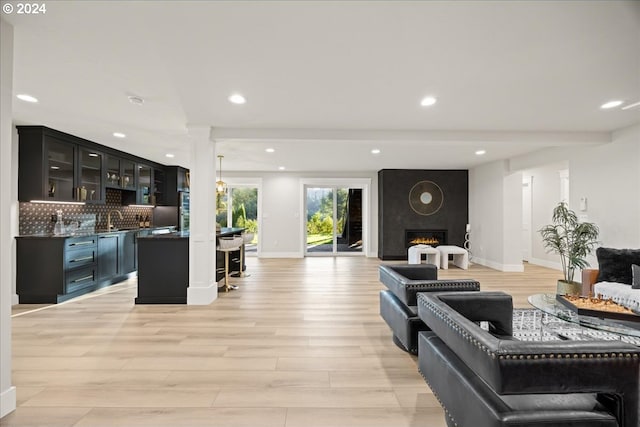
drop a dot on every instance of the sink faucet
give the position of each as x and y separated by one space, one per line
109 225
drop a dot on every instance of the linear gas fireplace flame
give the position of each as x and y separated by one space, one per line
424 241
425 237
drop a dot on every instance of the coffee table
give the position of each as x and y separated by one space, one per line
596 328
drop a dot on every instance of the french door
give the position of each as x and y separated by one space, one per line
333 220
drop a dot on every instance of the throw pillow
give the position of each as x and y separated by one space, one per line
615 264
635 272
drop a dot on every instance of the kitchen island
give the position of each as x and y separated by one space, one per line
163 266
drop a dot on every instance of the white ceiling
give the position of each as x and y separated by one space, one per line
328 81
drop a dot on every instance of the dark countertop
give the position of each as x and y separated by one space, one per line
225 231
97 232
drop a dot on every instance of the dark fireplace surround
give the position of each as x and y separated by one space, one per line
396 216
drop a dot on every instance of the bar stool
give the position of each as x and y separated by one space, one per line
227 245
246 239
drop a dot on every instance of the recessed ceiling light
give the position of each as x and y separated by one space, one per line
270 150
236 98
135 100
481 152
375 151
119 135
169 155
610 104
27 98
635 104
427 101
281 168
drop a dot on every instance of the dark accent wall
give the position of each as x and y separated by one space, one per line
395 214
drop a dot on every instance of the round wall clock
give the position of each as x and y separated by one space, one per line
426 198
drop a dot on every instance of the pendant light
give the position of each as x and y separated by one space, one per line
221 186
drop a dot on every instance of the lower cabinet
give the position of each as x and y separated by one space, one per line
129 252
54 269
108 257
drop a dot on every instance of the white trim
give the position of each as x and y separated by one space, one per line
512 268
202 295
281 255
8 400
15 299
546 263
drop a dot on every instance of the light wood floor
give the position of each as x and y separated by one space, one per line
301 344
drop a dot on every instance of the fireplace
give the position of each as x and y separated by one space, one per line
425 237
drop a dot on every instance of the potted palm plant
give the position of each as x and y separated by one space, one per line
573 241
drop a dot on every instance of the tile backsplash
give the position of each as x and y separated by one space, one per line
35 218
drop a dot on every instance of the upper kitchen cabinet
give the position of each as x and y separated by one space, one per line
53 167
121 173
58 167
145 180
91 176
176 180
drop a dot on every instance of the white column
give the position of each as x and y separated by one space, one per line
7 204
203 288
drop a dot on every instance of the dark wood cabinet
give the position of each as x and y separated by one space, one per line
176 180
128 252
55 167
108 257
145 185
54 269
91 176
121 173
46 167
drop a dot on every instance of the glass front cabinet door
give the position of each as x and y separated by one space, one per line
120 173
91 172
144 185
60 171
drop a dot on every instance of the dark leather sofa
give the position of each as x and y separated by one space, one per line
486 378
398 305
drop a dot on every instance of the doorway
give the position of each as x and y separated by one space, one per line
239 208
334 220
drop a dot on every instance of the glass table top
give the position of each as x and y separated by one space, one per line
547 303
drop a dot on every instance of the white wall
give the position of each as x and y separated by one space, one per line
545 196
495 215
7 220
512 222
281 234
609 177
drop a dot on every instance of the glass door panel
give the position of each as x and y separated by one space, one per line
127 171
60 172
144 185
334 220
349 213
244 213
321 217
90 176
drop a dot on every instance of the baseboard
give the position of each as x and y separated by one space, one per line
512 268
202 295
281 255
545 263
7 401
15 299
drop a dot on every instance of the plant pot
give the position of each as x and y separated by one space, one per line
569 288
